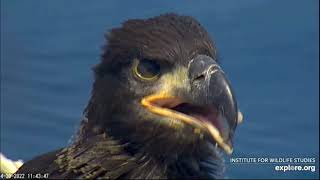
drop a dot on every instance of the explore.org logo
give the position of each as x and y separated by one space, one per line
282 164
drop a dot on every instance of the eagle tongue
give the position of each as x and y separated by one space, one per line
211 116
203 114
217 120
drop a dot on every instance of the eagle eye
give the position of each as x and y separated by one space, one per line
146 69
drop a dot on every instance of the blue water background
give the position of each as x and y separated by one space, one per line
268 48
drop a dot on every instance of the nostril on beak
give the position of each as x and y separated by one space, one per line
201 77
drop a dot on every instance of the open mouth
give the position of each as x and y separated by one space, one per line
207 119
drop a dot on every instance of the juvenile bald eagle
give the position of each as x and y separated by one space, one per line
161 107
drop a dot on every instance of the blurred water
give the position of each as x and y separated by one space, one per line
269 50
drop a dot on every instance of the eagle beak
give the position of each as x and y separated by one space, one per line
210 107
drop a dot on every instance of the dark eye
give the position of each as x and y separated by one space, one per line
146 69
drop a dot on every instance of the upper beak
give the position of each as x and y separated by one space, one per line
211 87
209 104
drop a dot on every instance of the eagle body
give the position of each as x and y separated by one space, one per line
161 107
108 159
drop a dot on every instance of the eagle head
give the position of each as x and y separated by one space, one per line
160 90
